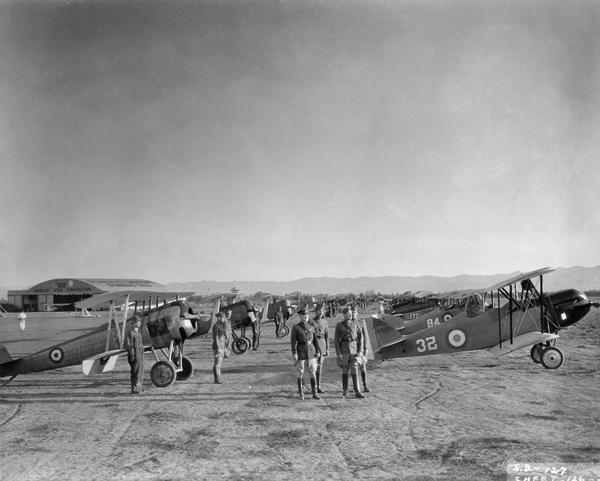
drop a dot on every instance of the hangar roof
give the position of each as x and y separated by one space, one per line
93 286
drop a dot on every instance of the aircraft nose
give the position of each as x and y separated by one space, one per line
571 306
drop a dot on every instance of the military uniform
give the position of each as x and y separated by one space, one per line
321 327
221 335
305 350
363 357
135 355
348 342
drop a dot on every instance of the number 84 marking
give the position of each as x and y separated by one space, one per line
427 344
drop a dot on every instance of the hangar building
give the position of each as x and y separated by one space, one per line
64 292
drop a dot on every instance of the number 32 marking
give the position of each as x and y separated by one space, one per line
427 344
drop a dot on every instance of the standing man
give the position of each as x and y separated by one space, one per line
135 354
221 332
305 350
255 329
348 345
321 327
22 319
362 355
279 320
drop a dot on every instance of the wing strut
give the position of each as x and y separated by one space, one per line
119 327
510 292
544 325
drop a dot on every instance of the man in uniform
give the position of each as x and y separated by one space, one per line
221 336
305 350
135 354
321 327
348 345
362 356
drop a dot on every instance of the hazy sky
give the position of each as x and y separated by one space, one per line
273 140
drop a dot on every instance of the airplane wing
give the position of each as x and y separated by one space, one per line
519 278
119 297
463 294
521 341
423 294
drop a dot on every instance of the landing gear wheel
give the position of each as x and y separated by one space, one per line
240 345
536 353
284 331
162 374
187 369
552 358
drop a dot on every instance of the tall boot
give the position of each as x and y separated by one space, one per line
300 388
363 375
319 390
357 392
344 386
313 386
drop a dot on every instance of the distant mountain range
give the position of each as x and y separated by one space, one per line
583 278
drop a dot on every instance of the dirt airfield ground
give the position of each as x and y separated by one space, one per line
443 417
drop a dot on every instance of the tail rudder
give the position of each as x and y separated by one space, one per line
380 335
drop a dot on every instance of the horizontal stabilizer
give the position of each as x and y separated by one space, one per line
102 362
521 341
4 355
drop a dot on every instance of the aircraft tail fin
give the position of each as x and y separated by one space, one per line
4 355
380 335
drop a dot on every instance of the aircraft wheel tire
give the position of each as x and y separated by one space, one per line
240 345
187 369
536 353
163 374
284 331
552 358
235 345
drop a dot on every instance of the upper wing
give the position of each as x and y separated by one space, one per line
119 297
520 277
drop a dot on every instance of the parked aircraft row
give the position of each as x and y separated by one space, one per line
511 315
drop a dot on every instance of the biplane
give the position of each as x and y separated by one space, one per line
409 307
507 316
245 315
167 322
450 304
286 309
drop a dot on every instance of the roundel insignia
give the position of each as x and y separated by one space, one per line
56 354
447 317
457 338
